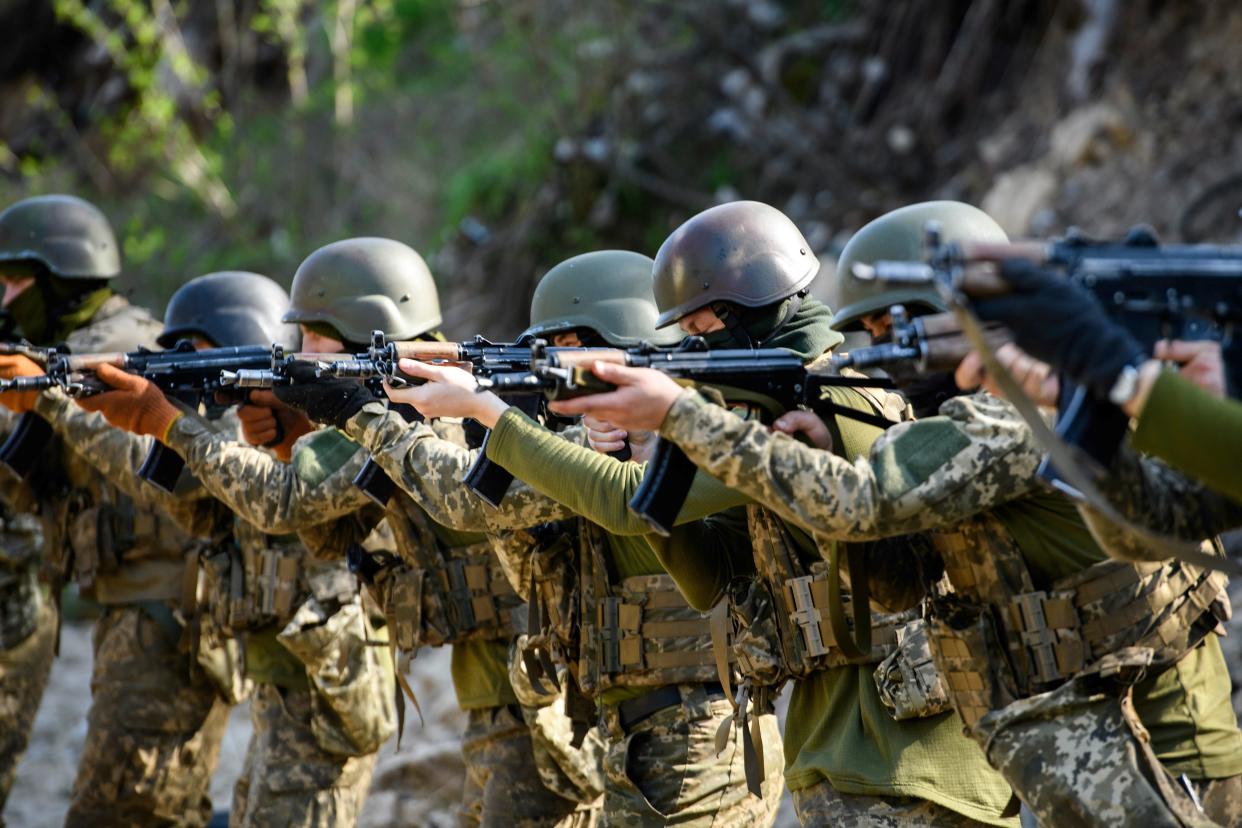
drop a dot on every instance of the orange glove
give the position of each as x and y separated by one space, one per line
267 422
136 405
16 365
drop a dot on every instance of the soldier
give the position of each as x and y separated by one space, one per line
154 728
340 294
608 608
840 741
1090 684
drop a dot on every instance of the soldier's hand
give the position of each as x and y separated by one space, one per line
1201 362
134 405
267 422
807 423
641 401
16 365
1034 377
447 392
603 436
322 400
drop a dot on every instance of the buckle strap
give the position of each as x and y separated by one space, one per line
633 711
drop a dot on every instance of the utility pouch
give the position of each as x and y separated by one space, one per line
222 661
353 702
968 655
907 679
19 604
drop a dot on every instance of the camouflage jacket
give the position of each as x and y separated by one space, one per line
95 531
928 474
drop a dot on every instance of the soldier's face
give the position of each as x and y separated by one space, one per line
16 277
318 343
702 321
568 339
878 324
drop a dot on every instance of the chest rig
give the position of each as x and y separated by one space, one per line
997 639
611 632
435 594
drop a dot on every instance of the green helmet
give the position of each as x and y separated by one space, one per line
608 291
366 284
743 252
229 308
68 236
899 236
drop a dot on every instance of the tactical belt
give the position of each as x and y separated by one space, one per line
808 602
633 711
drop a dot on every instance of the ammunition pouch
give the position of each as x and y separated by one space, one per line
552 604
100 536
20 602
645 634
1105 620
468 599
909 684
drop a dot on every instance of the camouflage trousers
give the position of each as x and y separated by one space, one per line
822 804
288 779
1080 758
665 770
504 785
23 677
153 732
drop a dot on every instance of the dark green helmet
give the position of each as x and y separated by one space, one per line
366 284
744 252
608 292
229 308
68 236
900 236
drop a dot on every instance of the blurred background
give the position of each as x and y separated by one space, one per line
501 136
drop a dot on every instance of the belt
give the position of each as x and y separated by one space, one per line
632 711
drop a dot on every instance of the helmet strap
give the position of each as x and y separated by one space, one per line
732 319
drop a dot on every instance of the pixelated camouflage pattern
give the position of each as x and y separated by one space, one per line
21 542
1076 757
430 470
822 804
24 669
90 525
910 686
1150 494
1221 799
261 489
504 786
353 708
573 771
153 731
665 770
288 778
977 454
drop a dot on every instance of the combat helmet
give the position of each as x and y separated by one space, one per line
744 252
365 284
69 236
229 308
606 291
899 236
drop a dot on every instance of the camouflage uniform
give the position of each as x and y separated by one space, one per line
636 761
148 762
946 472
316 496
822 804
27 639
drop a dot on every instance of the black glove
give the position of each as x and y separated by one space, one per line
1058 321
330 401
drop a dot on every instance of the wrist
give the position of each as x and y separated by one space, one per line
488 408
1145 380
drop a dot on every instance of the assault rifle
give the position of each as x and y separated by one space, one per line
929 344
768 380
481 357
183 373
1155 291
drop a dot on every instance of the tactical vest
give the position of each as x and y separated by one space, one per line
256 580
632 632
1113 620
435 594
95 534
